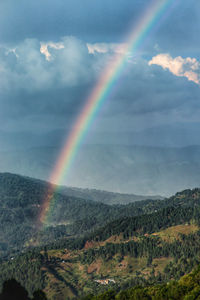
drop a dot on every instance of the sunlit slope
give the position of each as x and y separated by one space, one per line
186 288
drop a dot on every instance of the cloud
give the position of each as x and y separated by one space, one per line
44 49
42 81
107 47
37 93
181 67
33 65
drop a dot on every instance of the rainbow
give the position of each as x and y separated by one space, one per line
156 12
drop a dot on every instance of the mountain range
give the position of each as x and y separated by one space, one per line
139 170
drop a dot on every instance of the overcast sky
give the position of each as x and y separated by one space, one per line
53 52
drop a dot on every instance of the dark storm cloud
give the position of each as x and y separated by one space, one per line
40 95
147 89
41 92
25 66
27 77
32 88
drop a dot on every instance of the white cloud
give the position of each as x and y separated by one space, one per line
24 66
181 67
107 47
44 49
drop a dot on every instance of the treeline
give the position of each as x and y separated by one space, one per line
187 247
134 226
148 223
187 288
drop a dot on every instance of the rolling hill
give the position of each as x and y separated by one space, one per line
122 246
21 199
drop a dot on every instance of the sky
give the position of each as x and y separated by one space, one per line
53 52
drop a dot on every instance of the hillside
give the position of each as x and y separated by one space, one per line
186 288
146 249
75 270
21 199
87 247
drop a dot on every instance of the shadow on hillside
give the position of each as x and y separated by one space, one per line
12 290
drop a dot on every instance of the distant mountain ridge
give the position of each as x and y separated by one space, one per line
136 170
105 196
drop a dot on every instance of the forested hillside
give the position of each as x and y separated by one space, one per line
146 242
75 268
21 199
86 247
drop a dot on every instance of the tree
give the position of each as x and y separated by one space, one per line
12 290
39 295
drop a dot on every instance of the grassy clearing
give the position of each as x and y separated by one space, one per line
160 263
173 233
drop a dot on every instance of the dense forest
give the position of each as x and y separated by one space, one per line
21 199
144 243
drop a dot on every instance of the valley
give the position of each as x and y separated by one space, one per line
140 243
